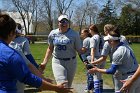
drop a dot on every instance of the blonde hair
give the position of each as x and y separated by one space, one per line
109 27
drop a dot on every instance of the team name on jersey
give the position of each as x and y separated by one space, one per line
61 40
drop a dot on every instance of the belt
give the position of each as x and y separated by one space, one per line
129 72
66 59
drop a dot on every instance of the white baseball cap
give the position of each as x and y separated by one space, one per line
63 16
109 37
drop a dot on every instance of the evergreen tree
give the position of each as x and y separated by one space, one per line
107 15
129 19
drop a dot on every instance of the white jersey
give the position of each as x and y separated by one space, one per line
86 44
21 46
64 44
125 59
107 50
94 43
21 43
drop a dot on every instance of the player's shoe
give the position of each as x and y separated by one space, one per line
87 91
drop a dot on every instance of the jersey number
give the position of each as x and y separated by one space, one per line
61 47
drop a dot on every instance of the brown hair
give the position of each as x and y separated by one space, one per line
115 32
87 31
7 25
94 28
109 27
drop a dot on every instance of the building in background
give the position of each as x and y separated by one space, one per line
17 17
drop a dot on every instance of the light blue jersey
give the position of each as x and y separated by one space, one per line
107 50
120 58
126 63
86 44
94 43
22 44
64 61
64 44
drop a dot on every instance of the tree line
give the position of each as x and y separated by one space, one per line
124 13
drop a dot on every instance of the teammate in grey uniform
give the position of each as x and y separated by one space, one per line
63 44
19 47
96 43
132 84
22 44
85 35
124 62
107 50
12 64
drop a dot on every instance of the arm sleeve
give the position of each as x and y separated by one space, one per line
106 49
93 43
118 56
50 41
26 47
32 60
83 57
78 44
86 43
112 69
20 71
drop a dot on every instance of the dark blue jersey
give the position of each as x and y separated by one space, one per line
13 68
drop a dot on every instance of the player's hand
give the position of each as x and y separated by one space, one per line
42 67
86 62
126 86
49 80
93 70
62 88
93 62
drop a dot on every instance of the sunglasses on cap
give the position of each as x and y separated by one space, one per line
64 21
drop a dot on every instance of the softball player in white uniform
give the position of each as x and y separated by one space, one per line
107 50
96 42
64 54
85 35
132 84
90 83
98 82
63 44
22 43
123 61
127 64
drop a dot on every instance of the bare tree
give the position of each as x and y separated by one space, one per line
92 10
26 8
86 12
48 9
63 5
79 16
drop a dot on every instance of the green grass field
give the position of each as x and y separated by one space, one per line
39 50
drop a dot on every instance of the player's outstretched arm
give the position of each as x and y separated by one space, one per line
60 88
127 84
47 57
100 60
36 72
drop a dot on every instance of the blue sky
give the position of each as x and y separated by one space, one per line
0 4
100 2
